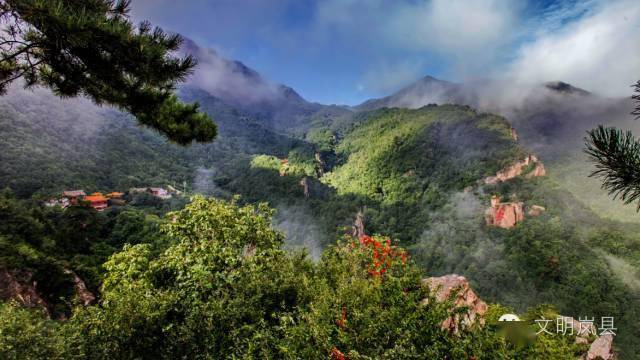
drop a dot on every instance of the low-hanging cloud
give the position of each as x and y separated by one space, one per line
599 52
230 80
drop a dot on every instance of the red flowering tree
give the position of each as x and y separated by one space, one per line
383 255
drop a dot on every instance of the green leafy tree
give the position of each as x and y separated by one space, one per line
616 155
90 48
225 289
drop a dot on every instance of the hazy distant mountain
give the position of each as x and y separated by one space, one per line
551 117
276 106
427 90
565 88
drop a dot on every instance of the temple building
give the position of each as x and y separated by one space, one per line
97 201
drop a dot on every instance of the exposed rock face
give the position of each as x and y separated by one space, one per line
504 215
517 169
601 349
84 296
320 165
358 225
20 286
304 182
284 167
539 170
514 134
536 210
442 287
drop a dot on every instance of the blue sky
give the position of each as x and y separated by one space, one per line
346 51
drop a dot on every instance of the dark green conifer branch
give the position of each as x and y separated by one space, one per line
616 155
90 48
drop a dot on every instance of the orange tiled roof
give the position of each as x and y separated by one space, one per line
115 194
95 198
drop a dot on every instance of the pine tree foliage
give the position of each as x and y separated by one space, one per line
616 155
91 48
636 97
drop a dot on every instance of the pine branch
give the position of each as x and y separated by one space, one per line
90 48
636 97
616 155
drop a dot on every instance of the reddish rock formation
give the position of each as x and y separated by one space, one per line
20 286
601 349
517 169
84 296
504 215
442 288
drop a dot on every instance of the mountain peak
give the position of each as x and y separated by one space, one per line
565 88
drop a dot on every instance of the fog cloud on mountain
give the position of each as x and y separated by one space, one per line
225 78
599 52
345 51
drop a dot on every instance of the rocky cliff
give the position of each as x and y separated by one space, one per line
504 215
522 167
21 287
507 215
83 295
444 286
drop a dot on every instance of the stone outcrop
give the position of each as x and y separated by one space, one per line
320 165
304 182
358 225
601 349
284 167
539 170
444 286
504 215
517 169
514 134
84 296
21 287
536 210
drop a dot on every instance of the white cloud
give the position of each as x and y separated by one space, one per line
453 26
226 79
599 52
441 25
460 29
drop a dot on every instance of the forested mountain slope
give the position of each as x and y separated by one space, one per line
552 120
415 175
